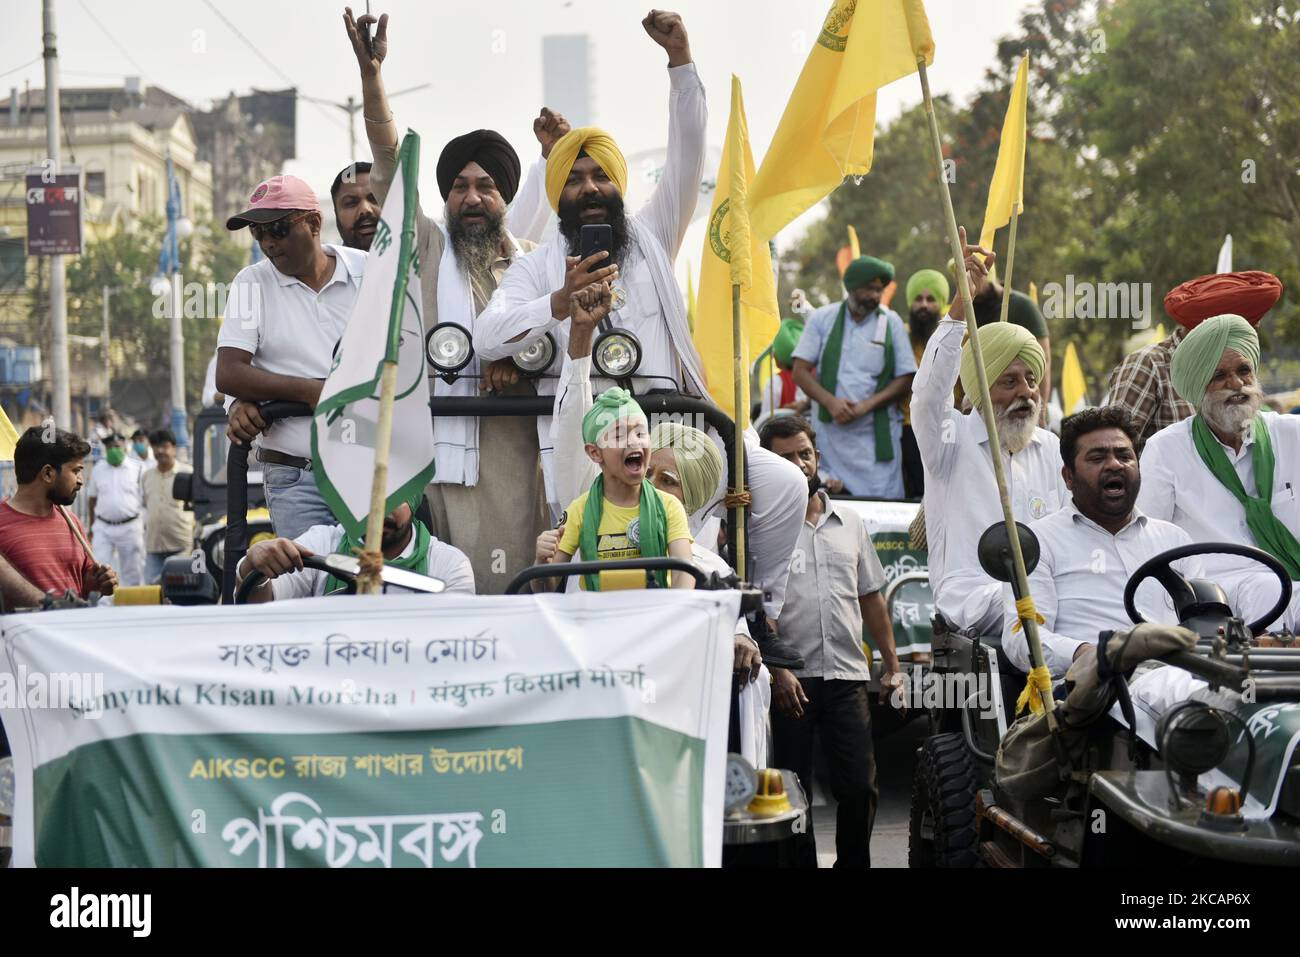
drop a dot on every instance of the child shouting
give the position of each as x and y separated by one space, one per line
623 515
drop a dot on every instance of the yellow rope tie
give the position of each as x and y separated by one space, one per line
1025 609
736 499
1039 684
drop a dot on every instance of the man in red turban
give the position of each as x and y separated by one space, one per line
1141 384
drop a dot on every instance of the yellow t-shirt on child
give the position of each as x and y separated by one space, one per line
618 536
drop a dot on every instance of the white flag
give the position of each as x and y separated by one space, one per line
386 324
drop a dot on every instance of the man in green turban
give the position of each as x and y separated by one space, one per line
1021 311
853 360
927 301
961 497
1229 473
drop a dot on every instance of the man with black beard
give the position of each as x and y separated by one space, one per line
586 180
927 300
356 208
1229 473
1091 547
486 475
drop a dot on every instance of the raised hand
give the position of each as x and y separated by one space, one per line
548 128
591 304
578 275
976 271
370 54
667 30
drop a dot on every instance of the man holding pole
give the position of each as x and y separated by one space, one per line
960 500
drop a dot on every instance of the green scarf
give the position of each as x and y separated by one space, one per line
417 561
653 524
828 371
1270 534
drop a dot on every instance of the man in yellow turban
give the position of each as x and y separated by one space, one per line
586 183
927 301
961 496
1229 473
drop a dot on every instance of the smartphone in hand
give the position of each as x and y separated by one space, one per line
594 238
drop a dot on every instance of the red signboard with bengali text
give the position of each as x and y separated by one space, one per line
54 214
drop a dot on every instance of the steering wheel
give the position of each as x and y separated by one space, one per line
1160 567
256 578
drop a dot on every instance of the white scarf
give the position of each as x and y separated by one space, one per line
455 437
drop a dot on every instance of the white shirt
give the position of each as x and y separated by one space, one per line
1180 488
445 563
1079 583
116 489
291 329
522 301
961 496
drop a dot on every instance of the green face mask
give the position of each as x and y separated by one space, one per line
116 455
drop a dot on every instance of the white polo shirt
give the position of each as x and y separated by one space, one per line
116 489
446 563
291 329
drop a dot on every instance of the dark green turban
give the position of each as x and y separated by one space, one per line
866 269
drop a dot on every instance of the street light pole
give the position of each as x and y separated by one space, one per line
108 368
62 400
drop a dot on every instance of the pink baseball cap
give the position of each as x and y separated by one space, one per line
274 199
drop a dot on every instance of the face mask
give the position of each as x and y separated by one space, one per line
141 449
116 455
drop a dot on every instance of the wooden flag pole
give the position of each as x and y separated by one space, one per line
370 581
1011 261
1030 624
741 415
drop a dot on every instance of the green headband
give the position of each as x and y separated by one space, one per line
610 406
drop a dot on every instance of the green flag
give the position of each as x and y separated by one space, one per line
386 325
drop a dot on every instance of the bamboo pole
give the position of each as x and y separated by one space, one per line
740 416
1030 625
369 583
1011 261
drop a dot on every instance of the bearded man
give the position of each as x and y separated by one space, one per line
586 180
486 472
961 496
1228 474
927 301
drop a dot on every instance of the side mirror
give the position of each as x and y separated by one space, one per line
183 487
994 551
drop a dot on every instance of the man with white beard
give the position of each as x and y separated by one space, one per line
961 497
1228 474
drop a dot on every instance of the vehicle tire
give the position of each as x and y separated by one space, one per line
942 831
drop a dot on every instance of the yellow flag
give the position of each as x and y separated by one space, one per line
1007 191
855 248
1033 292
829 127
8 437
1074 393
732 250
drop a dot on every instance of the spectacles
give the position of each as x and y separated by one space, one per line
278 229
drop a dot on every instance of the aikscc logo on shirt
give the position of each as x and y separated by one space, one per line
1038 506
634 533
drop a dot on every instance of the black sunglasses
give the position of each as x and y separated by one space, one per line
278 229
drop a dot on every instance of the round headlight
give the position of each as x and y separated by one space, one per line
617 354
537 358
448 347
1193 738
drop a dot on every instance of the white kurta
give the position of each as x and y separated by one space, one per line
520 310
1079 583
961 495
1179 487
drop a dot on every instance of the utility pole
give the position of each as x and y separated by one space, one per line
58 287
108 369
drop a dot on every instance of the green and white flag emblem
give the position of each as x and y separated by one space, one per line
386 325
